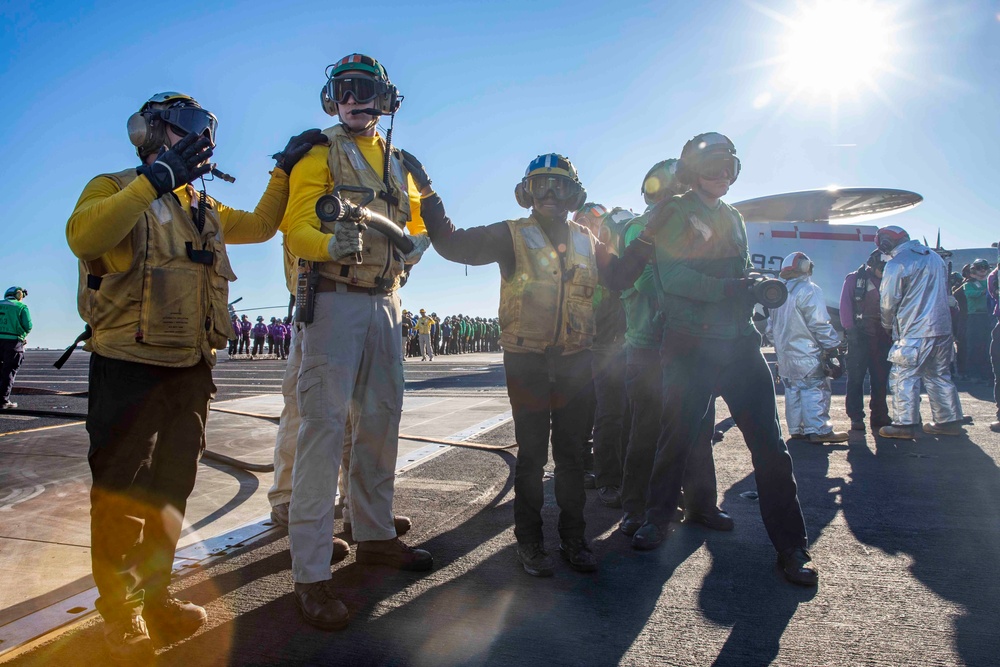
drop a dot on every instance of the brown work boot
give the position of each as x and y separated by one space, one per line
319 607
830 436
953 428
341 550
279 515
394 553
402 524
128 640
899 432
171 620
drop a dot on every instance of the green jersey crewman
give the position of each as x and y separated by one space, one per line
15 325
711 348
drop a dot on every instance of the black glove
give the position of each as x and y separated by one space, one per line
416 169
181 164
737 287
298 146
657 218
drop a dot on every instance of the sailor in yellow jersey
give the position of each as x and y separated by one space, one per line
154 284
351 351
424 326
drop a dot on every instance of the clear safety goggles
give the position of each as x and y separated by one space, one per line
191 119
362 88
561 187
720 167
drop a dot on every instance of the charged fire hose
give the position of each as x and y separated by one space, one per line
222 458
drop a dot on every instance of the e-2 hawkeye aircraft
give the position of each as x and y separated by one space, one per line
824 224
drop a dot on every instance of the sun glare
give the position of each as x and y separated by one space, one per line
837 47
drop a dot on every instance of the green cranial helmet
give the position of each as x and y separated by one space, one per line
708 155
363 78
661 182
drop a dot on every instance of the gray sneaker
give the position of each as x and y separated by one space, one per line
535 559
8 405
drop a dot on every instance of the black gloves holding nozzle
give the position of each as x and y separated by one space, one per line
297 147
768 292
182 163
416 170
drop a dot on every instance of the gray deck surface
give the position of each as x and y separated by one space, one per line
907 536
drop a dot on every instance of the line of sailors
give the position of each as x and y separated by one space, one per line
455 334
251 338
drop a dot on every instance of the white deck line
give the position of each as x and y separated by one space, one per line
39 623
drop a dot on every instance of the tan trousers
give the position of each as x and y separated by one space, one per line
351 366
288 434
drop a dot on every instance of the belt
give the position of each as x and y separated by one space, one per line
327 285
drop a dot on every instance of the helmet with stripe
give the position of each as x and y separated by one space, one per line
556 171
363 76
889 238
796 265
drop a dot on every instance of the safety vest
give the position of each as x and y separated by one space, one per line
169 308
547 303
382 264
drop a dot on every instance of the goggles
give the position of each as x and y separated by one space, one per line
719 167
191 119
561 187
620 216
590 215
362 88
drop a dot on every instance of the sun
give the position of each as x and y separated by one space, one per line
837 47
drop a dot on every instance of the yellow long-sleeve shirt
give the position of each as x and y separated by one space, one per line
311 179
104 216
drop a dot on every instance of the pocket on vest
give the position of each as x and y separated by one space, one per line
171 312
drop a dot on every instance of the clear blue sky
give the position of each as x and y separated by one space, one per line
488 86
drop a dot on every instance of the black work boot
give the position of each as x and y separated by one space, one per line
394 553
797 566
534 559
631 523
610 496
713 518
128 640
171 620
319 607
648 537
577 553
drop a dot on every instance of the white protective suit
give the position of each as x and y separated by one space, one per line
915 308
801 331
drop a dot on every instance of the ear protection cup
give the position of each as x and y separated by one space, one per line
329 106
684 174
145 132
580 200
524 199
138 129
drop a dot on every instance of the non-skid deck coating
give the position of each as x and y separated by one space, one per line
907 536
